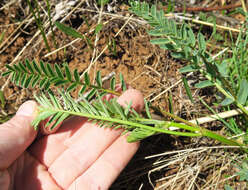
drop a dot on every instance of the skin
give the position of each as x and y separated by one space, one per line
79 155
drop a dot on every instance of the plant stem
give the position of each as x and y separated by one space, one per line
222 90
51 23
196 130
119 121
38 22
202 131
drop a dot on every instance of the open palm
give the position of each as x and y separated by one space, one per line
78 156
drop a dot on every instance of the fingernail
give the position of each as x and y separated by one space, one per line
27 109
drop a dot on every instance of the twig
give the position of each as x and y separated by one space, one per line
215 117
94 54
105 48
189 150
206 9
243 5
17 57
202 22
3 44
7 5
166 90
56 17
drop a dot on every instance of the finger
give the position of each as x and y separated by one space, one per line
46 130
105 169
4 180
17 134
88 148
72 130
30 174
134 96
82 153
49 147
102 173
117 89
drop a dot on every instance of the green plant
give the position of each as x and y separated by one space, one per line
112 46
228 74
73 33
2 100
230 80
243 171
36 14
109 114
60 105
50 22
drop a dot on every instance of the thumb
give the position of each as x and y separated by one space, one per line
17 134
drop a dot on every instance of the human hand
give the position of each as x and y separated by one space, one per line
78 156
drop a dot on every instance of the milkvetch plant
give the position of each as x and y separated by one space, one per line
231 81
104 113
58 104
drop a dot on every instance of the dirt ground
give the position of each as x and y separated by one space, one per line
145 67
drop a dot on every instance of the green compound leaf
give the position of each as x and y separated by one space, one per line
139 134
50 70
35 81
178 55
91 94
22 67
23 79
223 68
28 81
6 73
